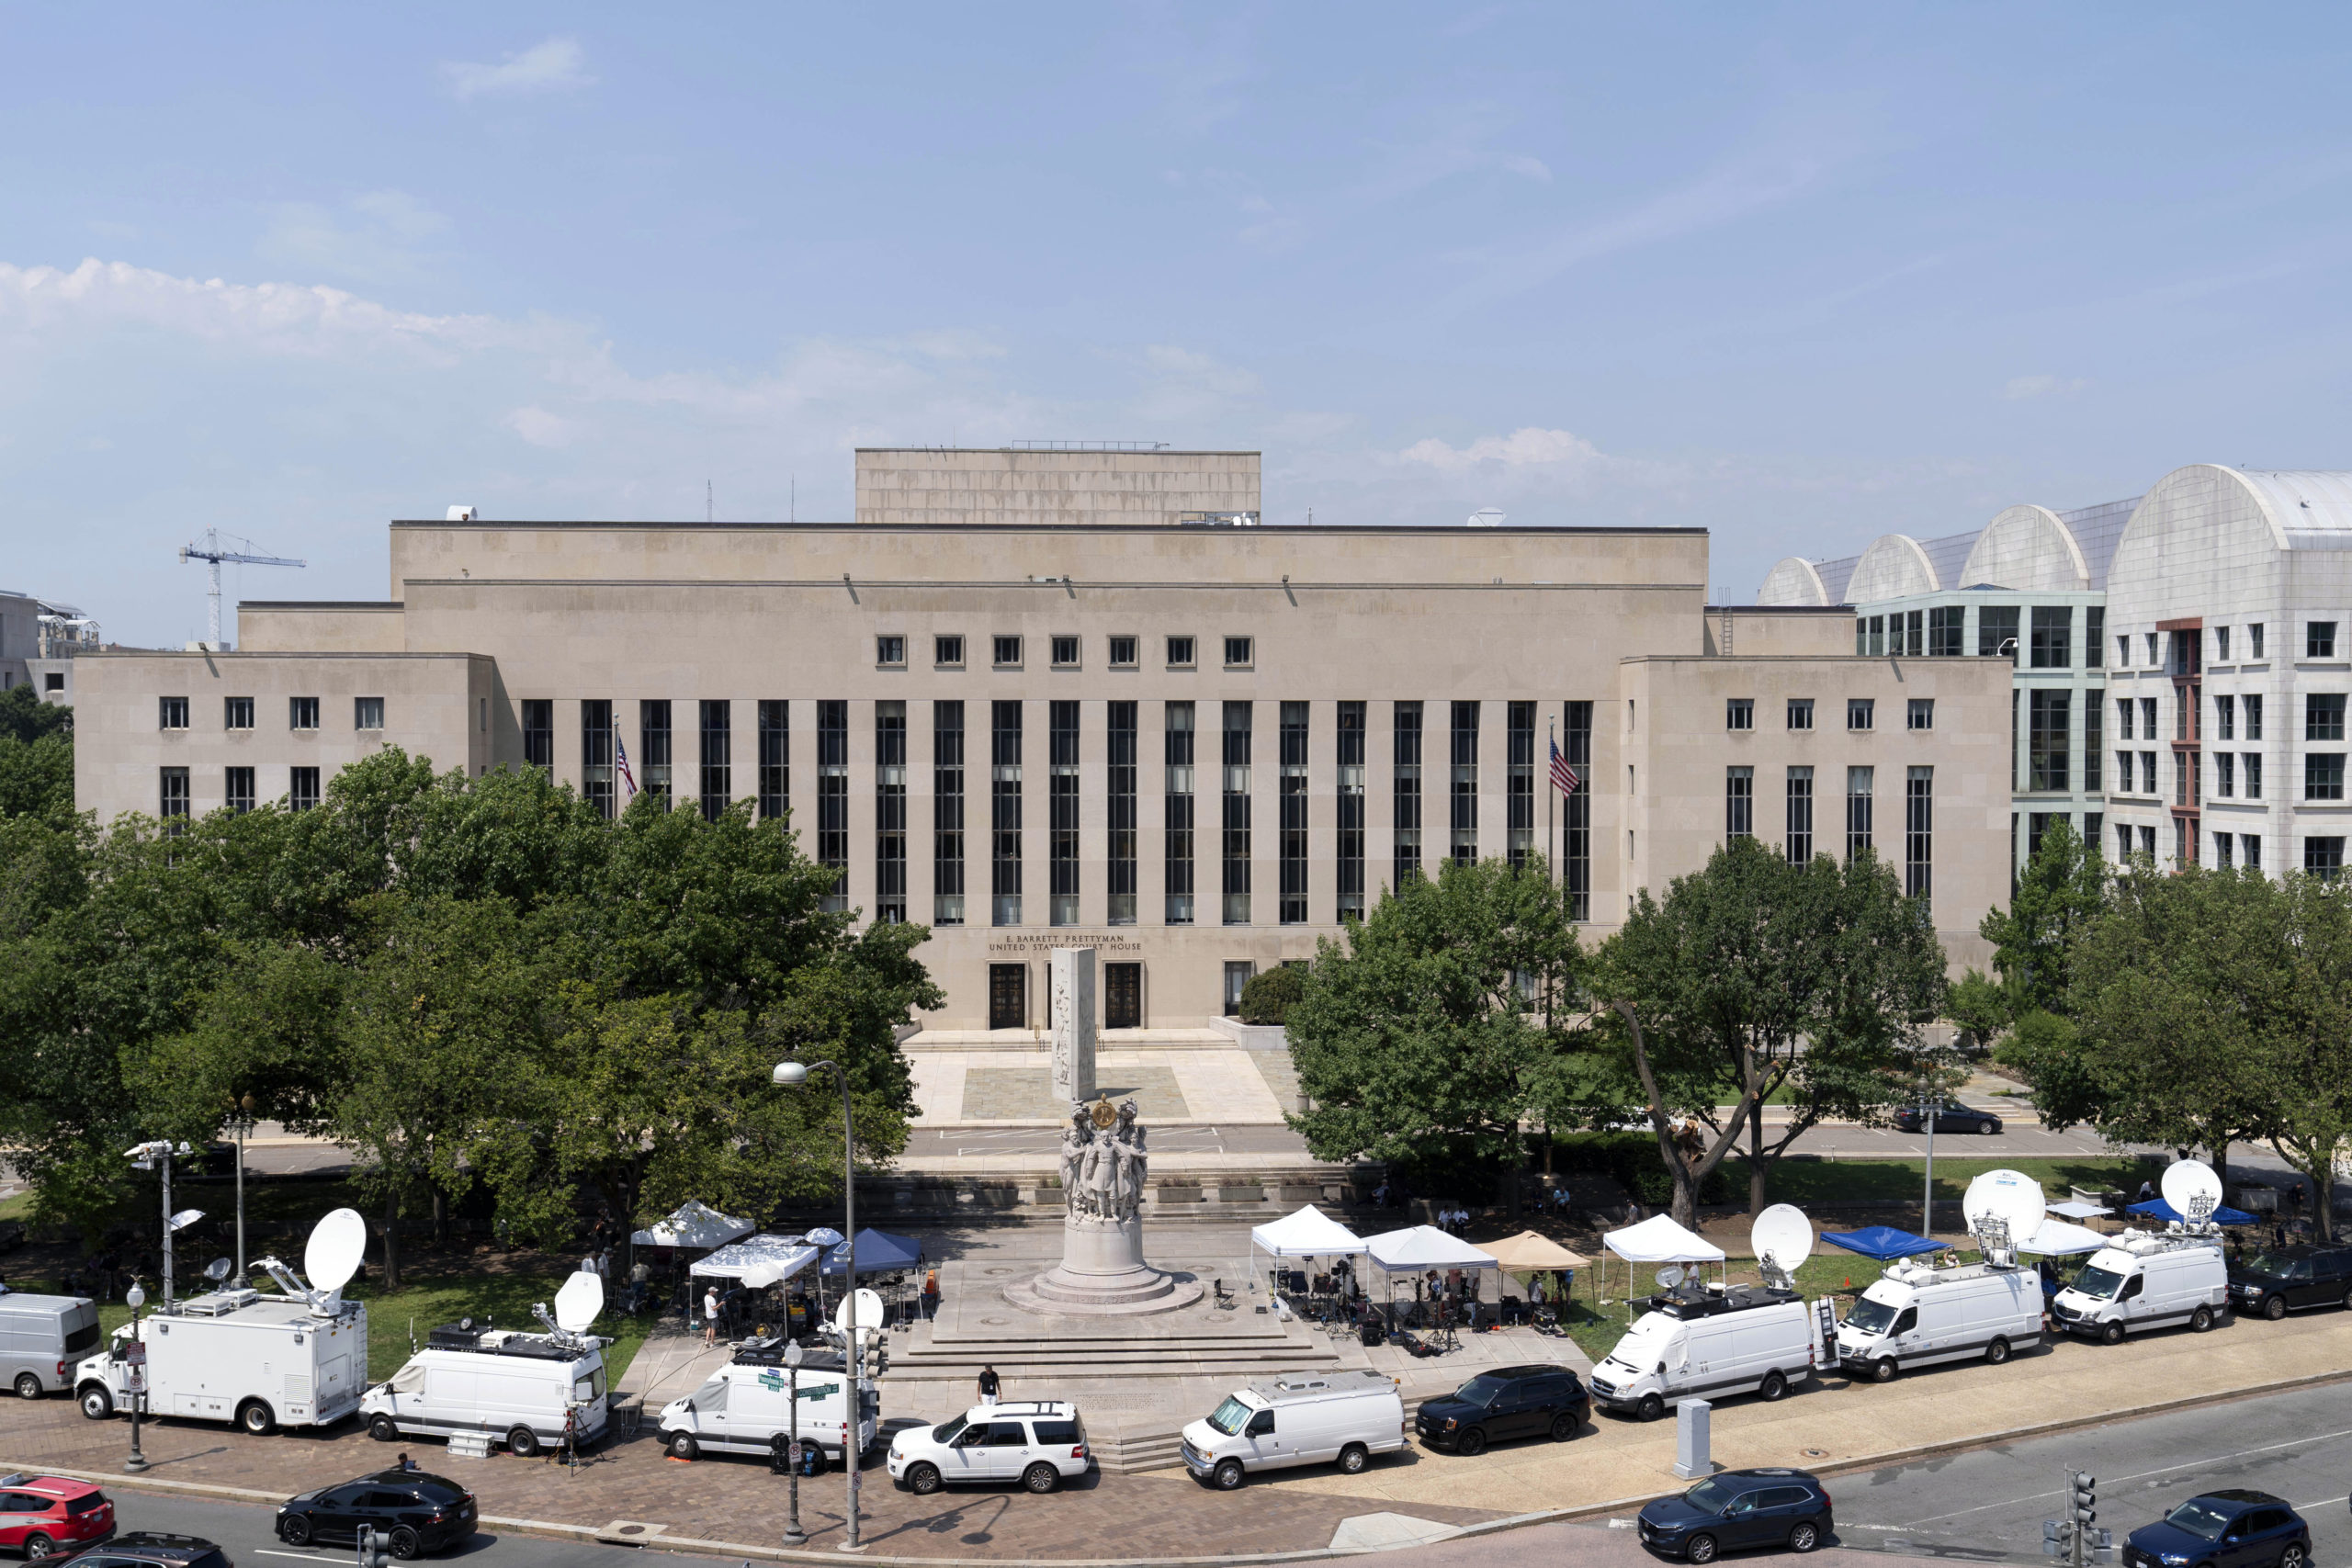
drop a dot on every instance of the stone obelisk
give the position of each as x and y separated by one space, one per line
1072 996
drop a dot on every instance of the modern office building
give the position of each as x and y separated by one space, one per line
38 641
1105 708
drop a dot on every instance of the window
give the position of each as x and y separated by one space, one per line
1873 639
2226 718
2180 790
1294 808
2123 772
2049 717
1065 653
2250 851
1518 831
1237 972
1739 713
1123 653
2094 832
1800 713
1996 631
890 653
1004 813
1122 996
947 652
1915 639
1462 842
2053 635
1862 712
236 713
2221 651
2253 771
890 812
1178 758
1800 818
1739 803
2147 718
2324 858
1236 804
2151 638
2148 841
1859 785
1179 653
2095 636
2092 784
1350 811
2253 706
2253 647
833 800
596 755
1061 812
1921 713
366 713
2318 639
2148 784
1119 849
173 806
2323 776
170 713
2037 824
239 791
1919 832
2123 718
2122 658
2225 774
52 680
1236 653
947 813
1945 626
1406 793
1008 652
301 713
2323 715
539 733
776 758
2187 652
1577 845
653 748
718 769
302 788
1008 995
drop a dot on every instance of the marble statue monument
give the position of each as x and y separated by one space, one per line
1104 1165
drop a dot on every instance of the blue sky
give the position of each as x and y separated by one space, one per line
1798 274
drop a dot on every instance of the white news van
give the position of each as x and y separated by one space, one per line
2145 1281
746 1407
1299 1418
522 1389
1704 1343
1914 1315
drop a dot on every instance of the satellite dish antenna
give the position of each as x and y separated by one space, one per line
1487 517
218 1269
869 1311
1782 1238
2193 1190
2003 1209
184 1219
579 1302
1670 1276
824 1238
336 1244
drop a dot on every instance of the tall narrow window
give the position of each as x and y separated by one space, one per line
1944 627
2053 636
1061 811
947 813
717 762
1178 758
538 734
302 788
2049 717
776 758
1120 850
1463 786
2225 717
1800 845
596 755
1294 845
890 812
1236 813
2093 780
1919 832
653 748
2253 706
240 794
1739 803
1520 844
174 807
1350 811
1861 783
833 798
2095 652
1004 812
1408 794
1996 631
1578 846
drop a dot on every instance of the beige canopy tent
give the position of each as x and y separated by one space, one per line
1530 1252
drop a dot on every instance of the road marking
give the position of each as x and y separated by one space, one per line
2137 1475
305 1556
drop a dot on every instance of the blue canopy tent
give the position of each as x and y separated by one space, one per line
2157 1209
877 1253
1883 1242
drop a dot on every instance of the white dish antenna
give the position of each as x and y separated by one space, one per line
1670 1276
821 1239
184 1219
337 1243
579 1302
2004 1209
2192 1188
1782 1238
1487 517
869 1311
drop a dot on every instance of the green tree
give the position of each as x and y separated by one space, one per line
2061 889
36 757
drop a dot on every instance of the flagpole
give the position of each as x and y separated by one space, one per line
1551 788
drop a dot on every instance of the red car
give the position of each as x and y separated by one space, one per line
41 1514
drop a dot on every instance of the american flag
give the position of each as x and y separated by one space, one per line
1564 777
620 757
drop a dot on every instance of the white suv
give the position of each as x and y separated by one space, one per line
1035 1442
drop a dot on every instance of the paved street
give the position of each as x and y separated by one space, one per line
244 1530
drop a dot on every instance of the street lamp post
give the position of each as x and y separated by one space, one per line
1929 1103
240 1121
793 1534
794 1075
135 1298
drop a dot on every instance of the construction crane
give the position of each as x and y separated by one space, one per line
209 549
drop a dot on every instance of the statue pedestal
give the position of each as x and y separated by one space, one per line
1102 1271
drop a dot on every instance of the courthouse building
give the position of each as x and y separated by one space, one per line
1037 698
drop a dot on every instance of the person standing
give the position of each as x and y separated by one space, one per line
710 1314
990 1385
931 1296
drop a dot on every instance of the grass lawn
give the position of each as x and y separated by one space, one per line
1808 1181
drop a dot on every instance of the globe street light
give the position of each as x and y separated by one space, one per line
795 1075
135 1298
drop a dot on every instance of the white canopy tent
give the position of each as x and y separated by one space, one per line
758 1260
1655 1240
2073 1209
1419 1248
693 1223
1309 1232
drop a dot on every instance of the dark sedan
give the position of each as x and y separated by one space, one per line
148 1549
412 1513
1510 1402
2281 1279
1951 1117
2231 1528
1739 1508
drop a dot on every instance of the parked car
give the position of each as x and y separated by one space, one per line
1950 1117
42 1515
2232 1529
148 1549
2281 1279
1510 1402
1739 1508
412 1512
1338 1417
1039 1443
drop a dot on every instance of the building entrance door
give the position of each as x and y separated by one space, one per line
1008 995
1122 996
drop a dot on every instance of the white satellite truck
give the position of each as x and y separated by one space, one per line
1701 1341
2149 1278
295 1359
1914 1315
528 1390
748 1406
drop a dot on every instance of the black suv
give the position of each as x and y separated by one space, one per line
148 1549
412 1512
1737 1508
2234 1528
2281 1279
1950 1117
1510 1402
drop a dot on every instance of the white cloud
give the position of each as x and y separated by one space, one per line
1525 447
379 237
1533 168
555 65
2022 387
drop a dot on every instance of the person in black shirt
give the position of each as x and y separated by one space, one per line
989 1384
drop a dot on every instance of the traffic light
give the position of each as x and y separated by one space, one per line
2084 1506
371 1553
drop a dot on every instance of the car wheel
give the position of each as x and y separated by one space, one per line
404 1543
29 1386
1355 1456
382 1431
1774 1386
523 1443
1229 1475
2201 1319
922 1480
1988 1126
294 1530
1885 1369
256 1418
683 1446
1804 1537
2274 1308
1041 1478
1564 1425
1650 1408
1997 1352
38 1545
2111 1335
2295 1556
1700 1549
96 1402
1472 1441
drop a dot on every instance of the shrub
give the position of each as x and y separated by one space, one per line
1267 996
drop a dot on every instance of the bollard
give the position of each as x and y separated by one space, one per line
1691 1421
